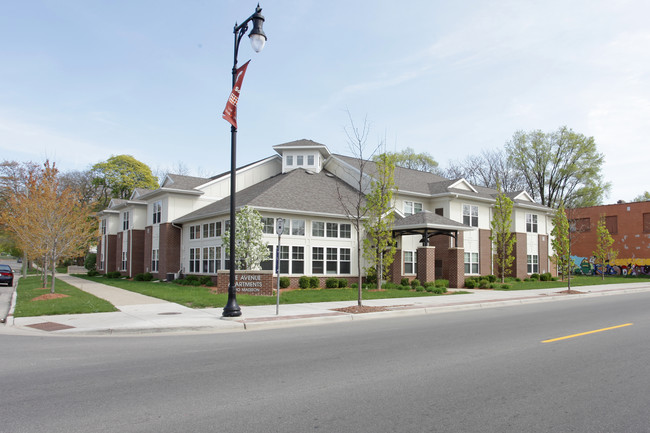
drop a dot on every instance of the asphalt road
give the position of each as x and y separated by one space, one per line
474 371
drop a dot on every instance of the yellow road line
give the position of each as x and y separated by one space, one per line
586 333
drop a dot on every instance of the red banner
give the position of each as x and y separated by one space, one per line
230 113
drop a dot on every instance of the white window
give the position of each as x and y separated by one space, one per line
157 212
471 263
411 207
284 259
209 230
344 264
410 264
531 223
310 160
211 259
195 259
533 263
195 232
124 260
298 227
317 260
332 261
101 261
332 230
470 215
297 260
268 226
300 160
289 159
103 227
346 231
318 229
155 260
217 228
125 221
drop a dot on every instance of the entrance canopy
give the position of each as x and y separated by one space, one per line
428 224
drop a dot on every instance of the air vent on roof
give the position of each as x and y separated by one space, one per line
328 174
309 172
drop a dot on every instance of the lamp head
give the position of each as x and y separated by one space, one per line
258 38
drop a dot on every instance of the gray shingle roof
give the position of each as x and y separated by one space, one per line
177 181
296 191
428 219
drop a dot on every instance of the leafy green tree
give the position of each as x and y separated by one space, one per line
119 176
379 246
561 242
559 167
407 158
642 197
604 251
250 251
502 237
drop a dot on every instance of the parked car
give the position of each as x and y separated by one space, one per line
6 275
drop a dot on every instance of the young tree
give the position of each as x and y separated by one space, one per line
118 176
48 222
559 167
561 243
250 251
642 197
603 253
379 246
502 237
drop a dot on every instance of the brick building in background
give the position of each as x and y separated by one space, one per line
628 223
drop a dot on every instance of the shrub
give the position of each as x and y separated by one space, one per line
442 283
371 276
429 289
355 286
114 274
440 290
493 286
343 283
191 278
93 273
404 282
527 280
419 289
204 280
546 276
429 284
505 286
518 280
470 284
285 282
534 277
303 282
407 287
390 286
415 283
492 278
332 283
143 277
483 284
90 262
314 283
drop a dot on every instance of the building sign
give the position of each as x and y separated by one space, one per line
247 282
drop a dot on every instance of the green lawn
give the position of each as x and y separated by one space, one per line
77 302
202 297
576 281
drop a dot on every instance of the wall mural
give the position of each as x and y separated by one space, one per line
586 266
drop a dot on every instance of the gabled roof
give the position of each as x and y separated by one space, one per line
430 220
298 191
177 181
303 144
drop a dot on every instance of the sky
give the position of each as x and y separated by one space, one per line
82 80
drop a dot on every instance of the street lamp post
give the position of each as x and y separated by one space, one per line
258 39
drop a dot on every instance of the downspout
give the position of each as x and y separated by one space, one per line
181 255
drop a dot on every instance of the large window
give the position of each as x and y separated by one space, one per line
531 223
533 263
297 260
155 260
209 230
410 262
195 259
157 212
317 260
298 227
125 221
284 259
332 230
195 232
345 231
344 264
471 263
332 261
318 229
211 259
411 207
124 263
268 225
470 215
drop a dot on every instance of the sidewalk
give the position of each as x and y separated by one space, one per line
141 314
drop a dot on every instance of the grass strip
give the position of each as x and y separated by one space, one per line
76 302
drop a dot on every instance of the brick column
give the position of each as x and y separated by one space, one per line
520 264
544 262
426 264
396 268
456 267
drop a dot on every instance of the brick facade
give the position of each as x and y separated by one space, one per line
396 267
485 252
426 264
148 245
455 258
170 250
520 264
544 262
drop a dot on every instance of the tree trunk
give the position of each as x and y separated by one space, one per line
53 272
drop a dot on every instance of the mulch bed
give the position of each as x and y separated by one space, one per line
355 309
570 292
50 296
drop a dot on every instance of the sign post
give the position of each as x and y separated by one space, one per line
279 230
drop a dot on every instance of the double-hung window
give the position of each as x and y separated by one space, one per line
297 260
125 221
268 225
533 263
317 260
157 212
409 262
195 260
411 207
531 223
470 215
471 263
318 229
155 260
298 227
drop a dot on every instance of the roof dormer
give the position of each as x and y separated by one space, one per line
305 154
